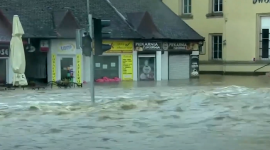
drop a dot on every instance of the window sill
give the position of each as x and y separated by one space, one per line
214 15
186 16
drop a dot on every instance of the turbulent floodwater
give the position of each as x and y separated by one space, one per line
207 114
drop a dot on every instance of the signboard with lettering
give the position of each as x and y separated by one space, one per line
127 67
120 46
53 67
180 46
78 68
66 48
4 51
142 46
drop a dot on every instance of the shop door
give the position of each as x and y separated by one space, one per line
147 67
3 72
66 68
107 66
179 67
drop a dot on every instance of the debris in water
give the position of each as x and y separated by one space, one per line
33 108
128 106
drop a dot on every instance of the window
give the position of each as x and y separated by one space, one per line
217 47
217 6
186 6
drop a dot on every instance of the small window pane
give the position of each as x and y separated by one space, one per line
189 9
215 48
219 39
215 56
215 39
220 54
185 9
216 7
220 7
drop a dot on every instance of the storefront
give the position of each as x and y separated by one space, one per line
6 70
65 61
180 60
148 60
115 64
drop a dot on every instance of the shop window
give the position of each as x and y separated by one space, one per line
106 66
3 72
186 6
217 6
147 68
217 47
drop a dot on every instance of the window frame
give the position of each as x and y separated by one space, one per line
219 49
213 6
189 11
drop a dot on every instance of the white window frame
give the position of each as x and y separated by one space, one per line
186 5
218 47
219 2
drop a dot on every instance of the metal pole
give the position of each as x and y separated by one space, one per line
92 85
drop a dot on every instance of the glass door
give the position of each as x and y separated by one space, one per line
147 67
67 68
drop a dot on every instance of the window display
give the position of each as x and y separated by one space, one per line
146 68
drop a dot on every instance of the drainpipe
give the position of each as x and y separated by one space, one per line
224 64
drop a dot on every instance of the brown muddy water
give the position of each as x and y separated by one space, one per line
210 113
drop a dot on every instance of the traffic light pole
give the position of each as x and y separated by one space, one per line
92 85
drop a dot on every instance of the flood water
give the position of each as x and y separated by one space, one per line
213 112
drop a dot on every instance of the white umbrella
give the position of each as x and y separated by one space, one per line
17 53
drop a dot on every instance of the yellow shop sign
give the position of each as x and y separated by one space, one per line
120 46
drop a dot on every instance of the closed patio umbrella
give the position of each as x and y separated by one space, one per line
17 53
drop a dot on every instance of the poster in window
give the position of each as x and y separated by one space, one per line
194 66
146 68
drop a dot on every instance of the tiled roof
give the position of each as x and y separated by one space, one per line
37 19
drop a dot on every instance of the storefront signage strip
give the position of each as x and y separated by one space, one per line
120 46
53 67
127 67
78 68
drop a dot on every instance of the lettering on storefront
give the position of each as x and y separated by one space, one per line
261 1
53 67
78 68
180 46
141 46
66 48
127 67
120 46
4 50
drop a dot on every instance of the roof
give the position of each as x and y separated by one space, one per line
38 20
168 23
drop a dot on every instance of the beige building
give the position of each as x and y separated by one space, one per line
236 33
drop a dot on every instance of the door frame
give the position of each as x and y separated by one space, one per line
58 65
138 62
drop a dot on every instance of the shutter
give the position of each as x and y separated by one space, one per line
179 67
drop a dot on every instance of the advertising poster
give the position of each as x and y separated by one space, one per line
78 68
194 68
127 67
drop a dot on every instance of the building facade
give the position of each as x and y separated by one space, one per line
236 33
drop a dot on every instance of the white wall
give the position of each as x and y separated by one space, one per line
159 65
164 66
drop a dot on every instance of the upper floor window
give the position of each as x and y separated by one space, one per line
186 6
217 5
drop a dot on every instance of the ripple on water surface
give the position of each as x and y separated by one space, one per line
179 117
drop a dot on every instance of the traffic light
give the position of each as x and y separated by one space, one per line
99 36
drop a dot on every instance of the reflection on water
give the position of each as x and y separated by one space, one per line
211 113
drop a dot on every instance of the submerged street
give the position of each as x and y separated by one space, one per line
209 113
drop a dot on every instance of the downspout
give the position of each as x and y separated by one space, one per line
224 64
